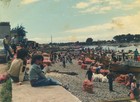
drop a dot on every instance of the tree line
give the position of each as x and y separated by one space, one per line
127 38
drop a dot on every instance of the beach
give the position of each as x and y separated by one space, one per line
100 90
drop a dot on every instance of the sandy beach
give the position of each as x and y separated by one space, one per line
101 90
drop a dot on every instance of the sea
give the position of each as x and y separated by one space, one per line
117 48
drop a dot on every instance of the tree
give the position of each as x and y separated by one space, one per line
19 30
89 41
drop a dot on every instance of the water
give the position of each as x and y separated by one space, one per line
116 48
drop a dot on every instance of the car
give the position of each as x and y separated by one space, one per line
3 55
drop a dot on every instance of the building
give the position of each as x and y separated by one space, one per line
4 29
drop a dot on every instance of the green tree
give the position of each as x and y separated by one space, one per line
89 41
19 30
137 38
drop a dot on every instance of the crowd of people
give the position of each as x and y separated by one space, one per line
37 75
110 55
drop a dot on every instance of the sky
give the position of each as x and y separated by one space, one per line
72 20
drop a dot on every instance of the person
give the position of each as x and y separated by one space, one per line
113 55
130 78
14 42
110 77
136 53
89 73
123 55
6 43
18 65
37 76
133 89
98 69
64 61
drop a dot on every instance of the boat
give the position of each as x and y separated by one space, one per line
126 66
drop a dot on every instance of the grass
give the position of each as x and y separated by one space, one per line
6 91
6 87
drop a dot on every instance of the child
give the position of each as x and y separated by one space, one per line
89 73
18 65
37 76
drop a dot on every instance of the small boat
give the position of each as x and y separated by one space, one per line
126 66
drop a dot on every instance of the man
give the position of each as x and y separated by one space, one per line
110 77
136 53
14 43
6 43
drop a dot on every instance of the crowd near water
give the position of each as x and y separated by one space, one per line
93 81
117 48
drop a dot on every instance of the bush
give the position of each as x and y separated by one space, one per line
6 91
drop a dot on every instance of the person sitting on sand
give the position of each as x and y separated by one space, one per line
37 76
18 65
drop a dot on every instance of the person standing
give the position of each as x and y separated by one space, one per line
6 43
136 53
64 61
14 42
110 77
123 55
89 73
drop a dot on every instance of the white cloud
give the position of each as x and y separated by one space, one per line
82 5
129 23
25 2
95 1
105 9
103 6
92 9
92 28
41 40
105 31
118 25
134 4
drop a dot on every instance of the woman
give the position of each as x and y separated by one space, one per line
18 65
37 76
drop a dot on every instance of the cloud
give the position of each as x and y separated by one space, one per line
25 2
82 5
41 40
96 6
106 31
129 23
103 6
92 28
